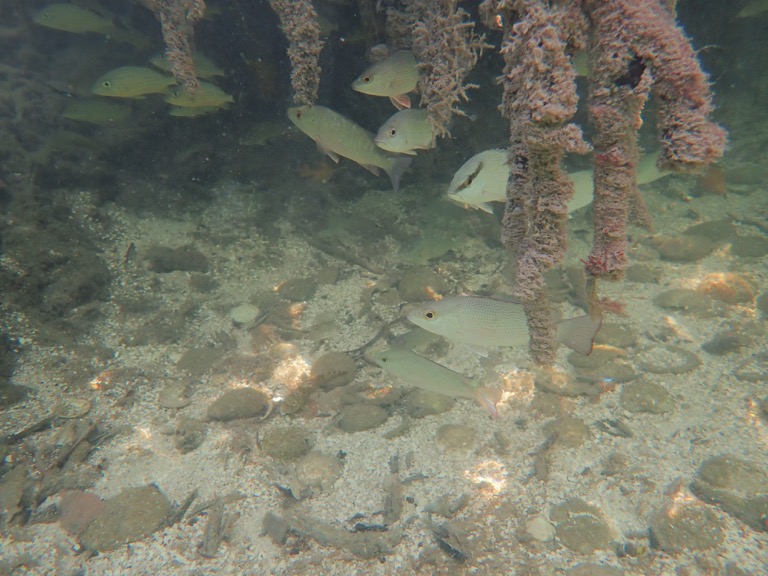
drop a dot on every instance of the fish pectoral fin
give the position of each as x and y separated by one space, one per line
400 101
486 207
488 398
323 150
579 333
372 169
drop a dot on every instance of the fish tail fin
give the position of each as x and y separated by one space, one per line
488 398
396 169
579 333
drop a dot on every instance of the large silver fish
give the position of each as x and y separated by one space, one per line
423 373
482 322
483 179
393 77
336 135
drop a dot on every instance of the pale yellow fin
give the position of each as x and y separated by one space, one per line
579 333
401 101
488 398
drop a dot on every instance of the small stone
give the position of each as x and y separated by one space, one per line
359 417
332 370
128 517
198 361
456 437
718 231
420 403
643 274
315 472
298 289
580 526
647 397
619 335
749 246
689 528
186 259
541 529
588 569
189 435
684 248
286 443
174 395
684 300
239 403
570 432
244 314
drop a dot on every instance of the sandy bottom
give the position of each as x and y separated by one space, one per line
714 411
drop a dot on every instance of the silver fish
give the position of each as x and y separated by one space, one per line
482 322
336 135
423 373
393 77
405 132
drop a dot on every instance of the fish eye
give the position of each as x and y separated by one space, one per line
106 84
470 180
393 131
298 115
367 79
430 314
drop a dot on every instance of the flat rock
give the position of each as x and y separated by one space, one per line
737 486
647 397
130 516
688 528
239 403
581 527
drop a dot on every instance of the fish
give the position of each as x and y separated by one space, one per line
753 8
191 112
71 18
132 82
337 135
420 372
482 180
584 181
393 77
405 132
207 95
204 67
483 322
96 111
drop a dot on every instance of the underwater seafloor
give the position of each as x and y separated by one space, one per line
174 376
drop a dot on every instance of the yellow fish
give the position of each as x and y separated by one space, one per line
393 77
131 82
207 96
336 135
423 373
204 66
95 111
185 112
71 18
405 132
753 8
